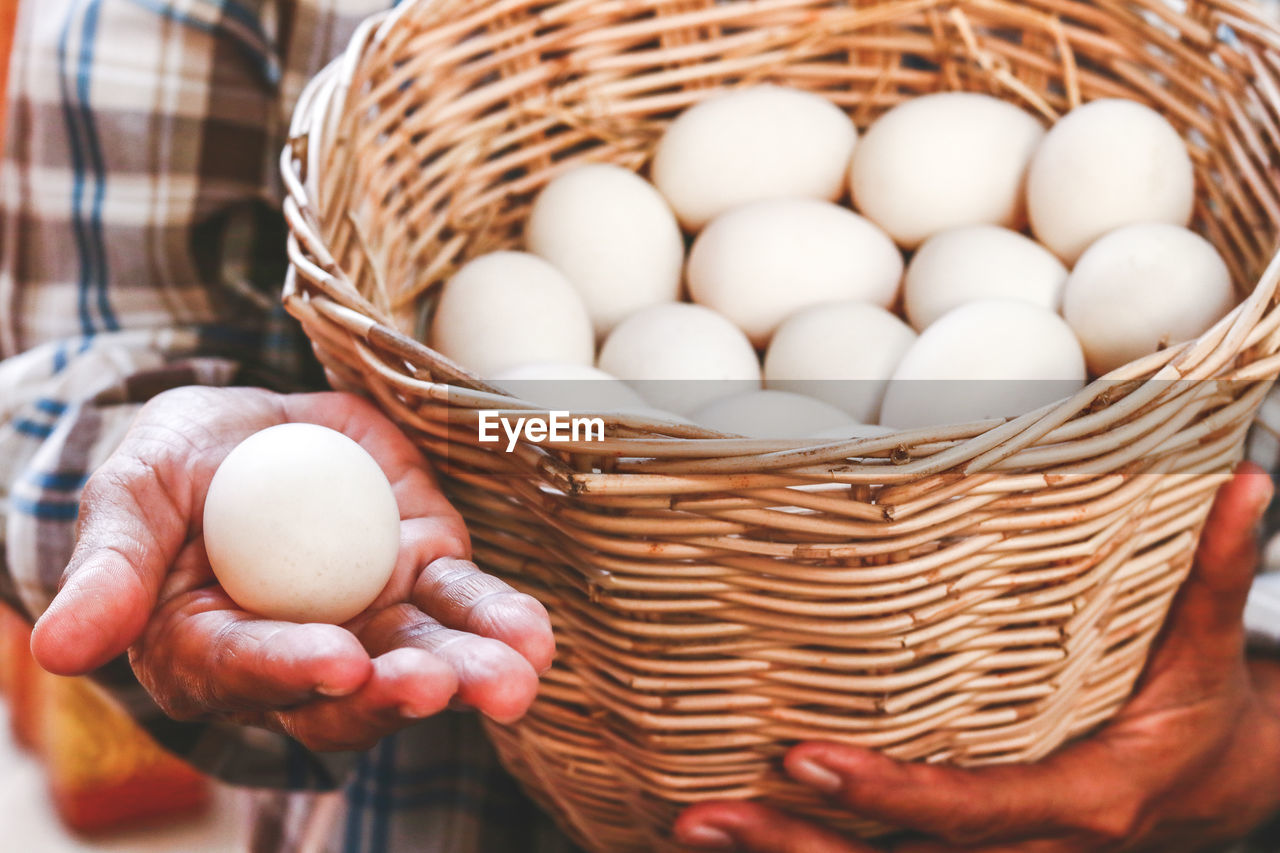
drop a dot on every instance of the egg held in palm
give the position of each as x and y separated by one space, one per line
300 524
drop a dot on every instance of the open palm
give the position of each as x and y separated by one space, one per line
440 633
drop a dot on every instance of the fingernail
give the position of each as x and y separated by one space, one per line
810 772
336 692
506 719
1264 500
411 713
708 837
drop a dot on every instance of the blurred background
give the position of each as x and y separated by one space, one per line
76 774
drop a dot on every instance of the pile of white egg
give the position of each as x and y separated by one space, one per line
783 276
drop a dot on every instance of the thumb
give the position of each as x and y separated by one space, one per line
755 828
1207 617
957 804
131 527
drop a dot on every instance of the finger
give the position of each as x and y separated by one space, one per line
133 521
1203 639
458 595
136 511
203 655
958 805
1212 601
407 685
492 677
756 828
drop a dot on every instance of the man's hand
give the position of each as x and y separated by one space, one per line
1193 760
441 632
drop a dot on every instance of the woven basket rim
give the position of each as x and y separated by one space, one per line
317 125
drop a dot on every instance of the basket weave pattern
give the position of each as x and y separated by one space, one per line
973 594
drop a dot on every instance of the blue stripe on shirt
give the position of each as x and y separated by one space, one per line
33 429
243 16
88 44
54 408
61 355
84 144
228 8
46 510
77 168
57 482
258 52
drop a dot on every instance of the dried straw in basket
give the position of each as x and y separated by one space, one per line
974 594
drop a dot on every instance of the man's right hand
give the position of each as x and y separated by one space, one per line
441 632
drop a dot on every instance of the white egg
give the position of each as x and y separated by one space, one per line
771 414
1107 164
943 161
994 358
761 263
510 308
1141 288
679 356
979 262
571 387
749 145
301 524
841 352
613 236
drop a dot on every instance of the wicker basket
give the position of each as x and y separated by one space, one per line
975 594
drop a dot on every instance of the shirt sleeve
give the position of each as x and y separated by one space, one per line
142 248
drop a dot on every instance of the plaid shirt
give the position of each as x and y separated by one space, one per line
141 248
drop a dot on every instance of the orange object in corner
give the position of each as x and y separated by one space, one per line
8 21
21 680
8 656
105 772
